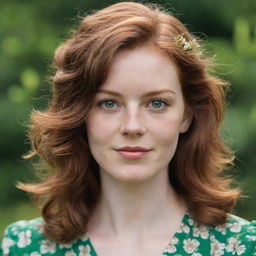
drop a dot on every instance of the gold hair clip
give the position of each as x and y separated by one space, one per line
191 45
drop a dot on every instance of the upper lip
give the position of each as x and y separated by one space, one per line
133 149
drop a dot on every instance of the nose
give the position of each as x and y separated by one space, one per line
133 123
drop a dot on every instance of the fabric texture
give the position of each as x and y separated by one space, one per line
236 237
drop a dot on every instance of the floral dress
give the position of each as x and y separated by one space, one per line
236 237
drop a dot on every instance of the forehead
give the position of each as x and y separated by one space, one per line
142 68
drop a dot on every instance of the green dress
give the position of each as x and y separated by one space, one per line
236 237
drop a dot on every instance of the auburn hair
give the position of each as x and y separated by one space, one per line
71 188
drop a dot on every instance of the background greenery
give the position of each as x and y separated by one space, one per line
31 30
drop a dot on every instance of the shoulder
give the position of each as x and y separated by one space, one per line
25 237
237 235
22 236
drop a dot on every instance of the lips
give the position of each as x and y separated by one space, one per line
133 152
133 149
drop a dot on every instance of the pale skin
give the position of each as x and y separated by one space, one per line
139 212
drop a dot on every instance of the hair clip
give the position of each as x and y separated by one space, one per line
191 45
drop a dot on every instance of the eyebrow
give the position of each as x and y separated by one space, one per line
146 94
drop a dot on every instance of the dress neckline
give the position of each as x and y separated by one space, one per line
172 240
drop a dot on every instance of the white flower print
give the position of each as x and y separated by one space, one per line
84 250
241 249
201 231
24 239
39 228
21 223
190 222
196 254
190 245
171 248
6 244
217 248
222 229
15 230
35 254
47 247
235 247
70 253
252 228
236 227
253 238
183 228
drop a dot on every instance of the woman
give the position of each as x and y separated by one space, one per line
132 147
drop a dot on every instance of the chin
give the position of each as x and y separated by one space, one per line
133 177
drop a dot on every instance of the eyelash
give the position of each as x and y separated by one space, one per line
99 103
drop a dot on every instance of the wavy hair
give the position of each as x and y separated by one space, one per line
71 187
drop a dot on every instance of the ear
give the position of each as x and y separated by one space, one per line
186 122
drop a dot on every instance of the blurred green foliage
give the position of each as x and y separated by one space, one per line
31 30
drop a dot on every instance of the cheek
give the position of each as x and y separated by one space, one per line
98 128
166 129
166 138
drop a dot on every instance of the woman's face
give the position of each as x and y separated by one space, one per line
139 105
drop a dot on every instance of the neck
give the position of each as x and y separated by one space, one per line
137 208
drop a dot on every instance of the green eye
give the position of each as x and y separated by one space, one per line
158 103
109 103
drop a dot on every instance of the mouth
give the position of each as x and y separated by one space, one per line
133 155
133 149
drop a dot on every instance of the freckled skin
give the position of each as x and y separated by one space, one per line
135 121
